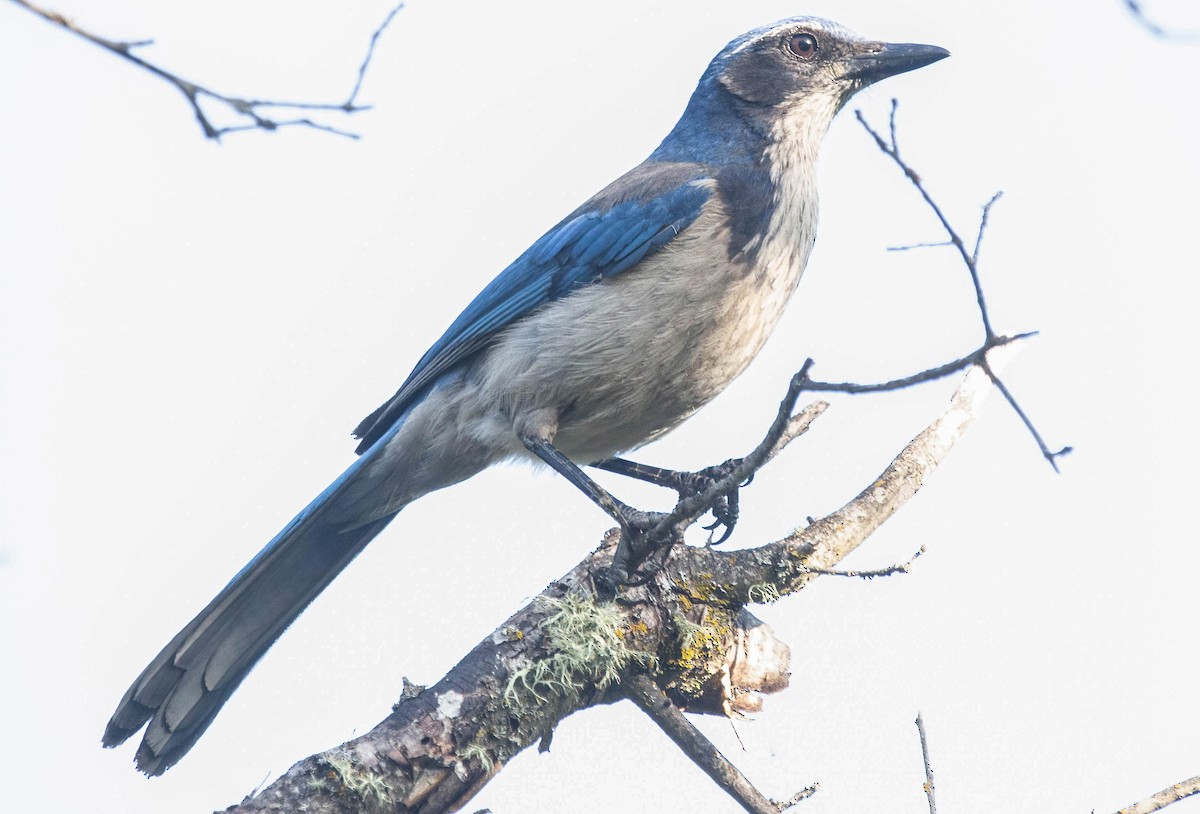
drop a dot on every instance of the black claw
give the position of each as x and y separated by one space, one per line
725 513
728 533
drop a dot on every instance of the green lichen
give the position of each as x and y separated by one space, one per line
369 787
478 752
585 645
762 594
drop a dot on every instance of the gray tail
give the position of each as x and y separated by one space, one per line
183 689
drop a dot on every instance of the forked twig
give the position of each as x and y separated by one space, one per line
251 109
891 148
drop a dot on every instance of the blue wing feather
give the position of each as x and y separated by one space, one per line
601 239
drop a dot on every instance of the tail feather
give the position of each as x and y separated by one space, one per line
185 686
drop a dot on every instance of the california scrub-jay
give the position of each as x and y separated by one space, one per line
615 326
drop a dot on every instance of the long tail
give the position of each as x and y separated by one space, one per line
182 690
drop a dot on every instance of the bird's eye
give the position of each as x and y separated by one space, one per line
803 45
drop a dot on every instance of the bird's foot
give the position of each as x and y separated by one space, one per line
638 553
724 507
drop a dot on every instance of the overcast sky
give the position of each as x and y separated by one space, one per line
188 331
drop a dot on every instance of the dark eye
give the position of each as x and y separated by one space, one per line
803 45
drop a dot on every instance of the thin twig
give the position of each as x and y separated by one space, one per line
247 108
1047 453
929 790
892 150
970 259
891 570
655 703
983 222
928 375
798 797
912 246
362 69
1172 794
786 427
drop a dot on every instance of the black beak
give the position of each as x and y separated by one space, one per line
888 59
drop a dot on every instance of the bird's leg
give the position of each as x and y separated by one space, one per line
725 508
633 522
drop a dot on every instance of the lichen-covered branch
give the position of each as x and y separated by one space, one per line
562 652
685 629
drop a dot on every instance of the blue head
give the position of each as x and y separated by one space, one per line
796 73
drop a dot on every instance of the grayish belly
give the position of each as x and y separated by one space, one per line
627 360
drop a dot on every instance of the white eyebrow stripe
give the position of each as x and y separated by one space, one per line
745 45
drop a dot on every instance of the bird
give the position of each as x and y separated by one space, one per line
610 330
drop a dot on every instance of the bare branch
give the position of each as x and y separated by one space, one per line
655 703
932 374
1050 456
912 246
891 148
983 222
929 789
891 570
362 69
799 796
251 109
1169 795
789 565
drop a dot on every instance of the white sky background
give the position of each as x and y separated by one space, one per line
188 331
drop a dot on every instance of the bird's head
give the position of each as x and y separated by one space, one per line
798 71
802 58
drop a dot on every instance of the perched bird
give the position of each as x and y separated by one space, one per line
614 327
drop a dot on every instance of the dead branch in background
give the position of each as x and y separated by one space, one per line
253 110
1155 802
1172 794
930 794
1158 30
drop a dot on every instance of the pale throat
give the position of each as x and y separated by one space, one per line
792 158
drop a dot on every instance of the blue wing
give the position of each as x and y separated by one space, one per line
611 233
